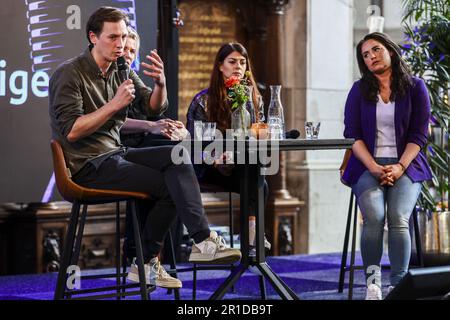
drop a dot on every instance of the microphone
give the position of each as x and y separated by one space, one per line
123 68
123 75
292 134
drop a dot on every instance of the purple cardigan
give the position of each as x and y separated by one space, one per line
412 114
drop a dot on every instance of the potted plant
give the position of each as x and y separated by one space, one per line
427 50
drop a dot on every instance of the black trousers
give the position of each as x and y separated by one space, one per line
174 190
141 140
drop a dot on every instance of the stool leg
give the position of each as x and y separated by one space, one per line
262 287
139 254
125 257
118 255
194 282
417 238
67 252
352 258
230 212
124 274
173 264
345 248
79 237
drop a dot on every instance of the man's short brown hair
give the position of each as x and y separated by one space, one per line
101 15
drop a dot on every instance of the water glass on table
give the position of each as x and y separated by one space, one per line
312 129
204 131
209 131
198 130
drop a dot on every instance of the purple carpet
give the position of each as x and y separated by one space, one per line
312 277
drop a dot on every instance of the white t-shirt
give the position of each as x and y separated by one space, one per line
385 145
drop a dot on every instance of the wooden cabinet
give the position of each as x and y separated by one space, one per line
35 234
3 241
31 236
282 225
281 220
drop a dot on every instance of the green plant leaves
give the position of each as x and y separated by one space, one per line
427 49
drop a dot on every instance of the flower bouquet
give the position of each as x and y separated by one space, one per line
238 93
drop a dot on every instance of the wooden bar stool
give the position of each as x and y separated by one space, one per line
78 196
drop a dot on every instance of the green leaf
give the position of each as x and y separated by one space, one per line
423 58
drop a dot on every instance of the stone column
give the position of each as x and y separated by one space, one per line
320 58
282 209
274 63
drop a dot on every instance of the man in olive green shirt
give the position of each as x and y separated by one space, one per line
87 105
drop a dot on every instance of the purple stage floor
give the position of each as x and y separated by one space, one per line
312 277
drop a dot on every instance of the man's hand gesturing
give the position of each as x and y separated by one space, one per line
156 69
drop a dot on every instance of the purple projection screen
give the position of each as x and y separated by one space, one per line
36 37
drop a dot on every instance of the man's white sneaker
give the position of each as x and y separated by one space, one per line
373 292
390 288
154 274
213 250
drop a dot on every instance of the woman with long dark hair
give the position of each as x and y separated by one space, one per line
231 61
212 105
387 113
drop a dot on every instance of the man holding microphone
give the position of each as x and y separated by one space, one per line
87 103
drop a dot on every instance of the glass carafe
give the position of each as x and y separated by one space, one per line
275 115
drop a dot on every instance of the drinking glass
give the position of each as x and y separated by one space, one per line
198 130
312 129
209 131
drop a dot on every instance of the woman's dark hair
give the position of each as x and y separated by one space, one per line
218 108
401 74
102 15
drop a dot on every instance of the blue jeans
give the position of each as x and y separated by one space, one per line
375 202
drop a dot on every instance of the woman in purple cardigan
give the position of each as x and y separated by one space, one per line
387 113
